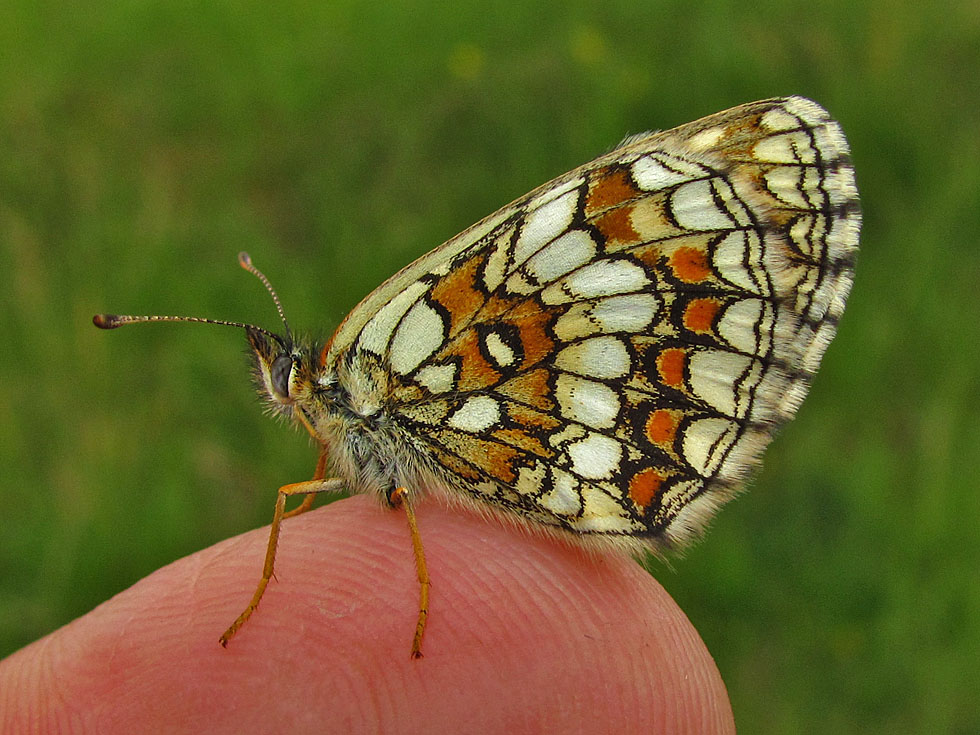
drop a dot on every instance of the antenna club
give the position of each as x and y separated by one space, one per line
245 261
107 321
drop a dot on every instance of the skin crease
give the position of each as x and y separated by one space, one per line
525 635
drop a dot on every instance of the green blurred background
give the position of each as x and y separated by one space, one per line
143 144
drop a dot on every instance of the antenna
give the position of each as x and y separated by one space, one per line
112 321
245 261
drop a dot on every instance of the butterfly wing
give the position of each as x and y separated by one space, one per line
611 353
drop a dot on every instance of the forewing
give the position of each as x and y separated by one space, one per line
612 352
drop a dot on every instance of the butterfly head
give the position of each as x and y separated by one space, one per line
284 370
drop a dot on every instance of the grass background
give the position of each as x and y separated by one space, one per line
142 145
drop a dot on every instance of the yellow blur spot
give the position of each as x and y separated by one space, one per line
588 45
466 61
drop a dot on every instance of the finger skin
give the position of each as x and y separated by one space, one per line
525 635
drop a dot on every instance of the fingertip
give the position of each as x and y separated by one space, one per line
523 628
580 640
522 632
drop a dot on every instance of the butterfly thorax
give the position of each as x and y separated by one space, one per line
344 405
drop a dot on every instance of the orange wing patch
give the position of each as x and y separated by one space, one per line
670 365
616 227
609 187
699 315
524 441
661 428
457 293
532 323
531 389
475 373
493 458
690 264
644 486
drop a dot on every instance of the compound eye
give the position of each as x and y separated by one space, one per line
279 372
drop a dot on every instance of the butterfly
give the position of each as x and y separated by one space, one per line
606 357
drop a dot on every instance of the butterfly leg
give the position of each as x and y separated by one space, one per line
319 474
308 488
401 496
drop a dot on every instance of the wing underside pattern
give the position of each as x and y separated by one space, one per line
611 353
